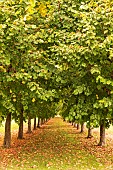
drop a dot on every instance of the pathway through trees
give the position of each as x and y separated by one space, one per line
55 146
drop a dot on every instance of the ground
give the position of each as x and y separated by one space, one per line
57 145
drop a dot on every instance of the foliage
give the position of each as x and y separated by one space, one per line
25 69
57 54
84 56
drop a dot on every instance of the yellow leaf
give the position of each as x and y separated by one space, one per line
23 82
47 26
97 96
22 70
2 69
10 91
15 23
33 100
32 2
30 10
14 100
28 17
0 26
42 9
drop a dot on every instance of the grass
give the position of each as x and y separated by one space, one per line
14 126
55 146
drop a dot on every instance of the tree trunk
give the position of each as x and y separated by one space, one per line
42 121
38 125
34 123
20 132
78 126
29 125
82 127
102 134
75 125
7 136
90 132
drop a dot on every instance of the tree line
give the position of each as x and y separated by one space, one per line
56 56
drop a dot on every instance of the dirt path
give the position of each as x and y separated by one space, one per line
56 146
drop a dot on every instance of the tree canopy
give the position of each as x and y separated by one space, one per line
57 51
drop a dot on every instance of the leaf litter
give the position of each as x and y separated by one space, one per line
57 145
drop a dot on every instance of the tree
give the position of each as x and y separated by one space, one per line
24 69
57 51
84 53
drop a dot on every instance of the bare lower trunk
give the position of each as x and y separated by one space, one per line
29 125
7 136
20 132
42 121
34 123
38 125
78 126
102 134
75 125
82 128
90 132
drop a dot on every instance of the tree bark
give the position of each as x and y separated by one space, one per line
38 125
42 121
75 125
82 127
20 132
34 123
7 136
78 126
90 132
29 125
102 134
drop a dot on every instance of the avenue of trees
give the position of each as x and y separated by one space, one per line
56 56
